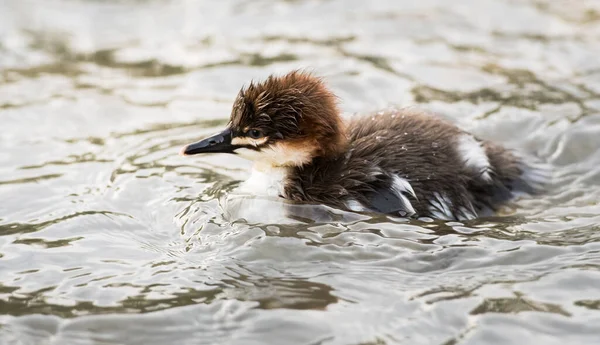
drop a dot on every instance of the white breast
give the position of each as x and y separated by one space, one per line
268 181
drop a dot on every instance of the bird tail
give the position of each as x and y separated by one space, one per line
535 175
517 173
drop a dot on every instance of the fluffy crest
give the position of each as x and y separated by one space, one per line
296 108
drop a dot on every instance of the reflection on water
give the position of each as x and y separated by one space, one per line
108 236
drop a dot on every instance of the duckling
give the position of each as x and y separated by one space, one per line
403 162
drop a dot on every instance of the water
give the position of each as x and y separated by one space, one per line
107 236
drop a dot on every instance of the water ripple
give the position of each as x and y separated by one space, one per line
108 236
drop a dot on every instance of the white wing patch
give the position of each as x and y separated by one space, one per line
440 207
467 213
376 172
355 206
399 186
474 156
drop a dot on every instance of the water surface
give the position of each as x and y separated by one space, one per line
107 236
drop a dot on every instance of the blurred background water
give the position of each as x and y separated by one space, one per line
107 236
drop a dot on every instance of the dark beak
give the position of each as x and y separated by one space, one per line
219 143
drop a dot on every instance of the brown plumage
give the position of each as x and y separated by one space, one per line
297 107
402 162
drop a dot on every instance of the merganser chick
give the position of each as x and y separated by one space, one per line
404 162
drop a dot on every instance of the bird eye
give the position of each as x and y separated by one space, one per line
255 134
